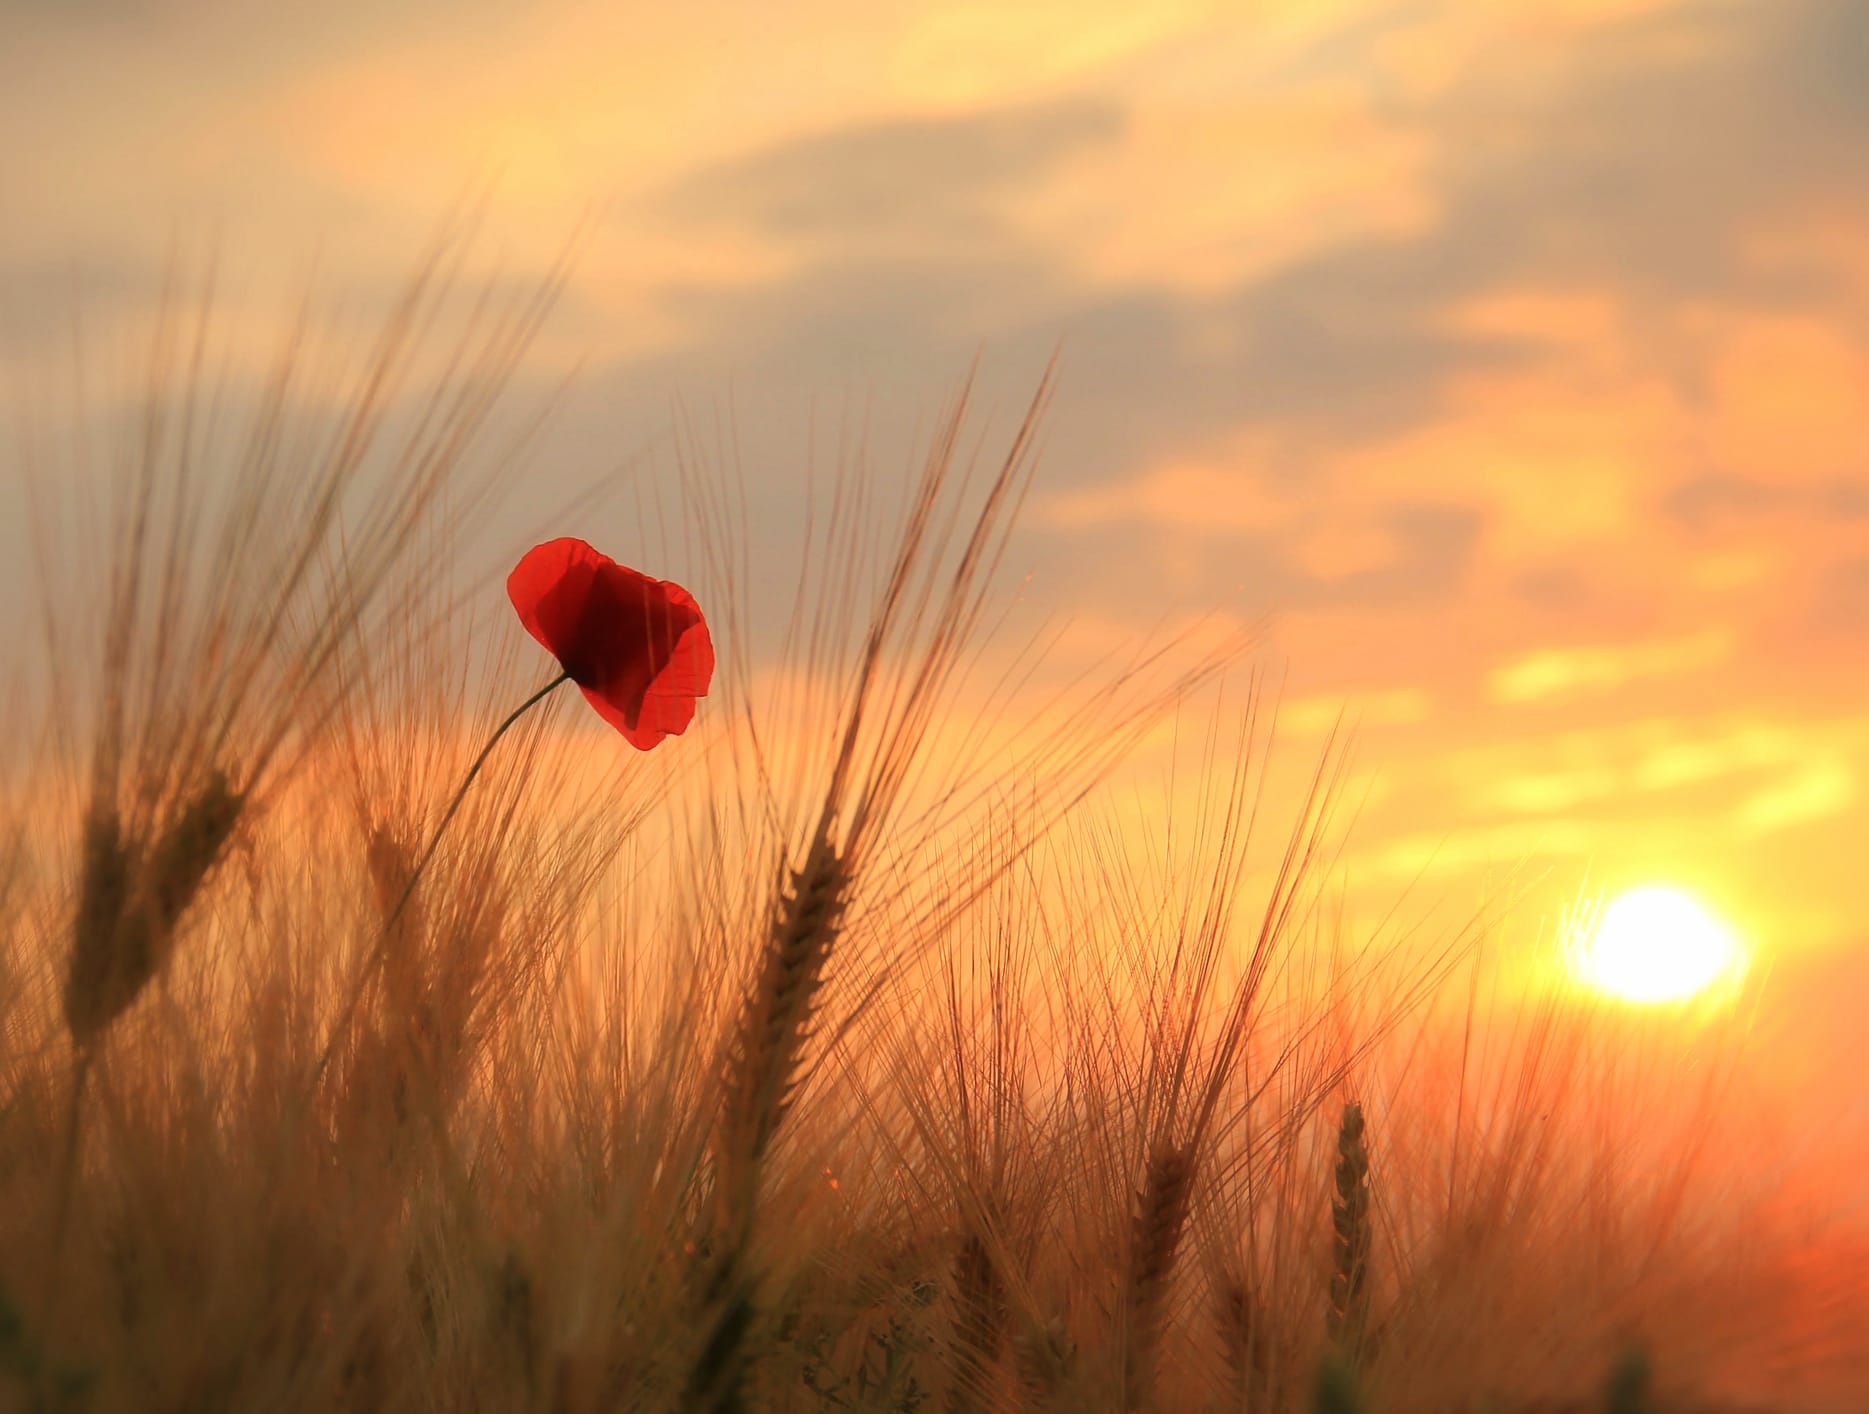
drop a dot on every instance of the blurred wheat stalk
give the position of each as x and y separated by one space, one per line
238 564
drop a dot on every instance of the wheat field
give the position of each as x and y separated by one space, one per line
863 1048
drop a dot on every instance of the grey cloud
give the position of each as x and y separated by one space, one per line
916 178
1437 545
1647 167
1251 572
1707 500
1841 605
46 303
1563 588
1351 346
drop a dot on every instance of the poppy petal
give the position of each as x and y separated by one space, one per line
660 717
690 667
549 588
634 732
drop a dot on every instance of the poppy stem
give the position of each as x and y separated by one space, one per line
415 875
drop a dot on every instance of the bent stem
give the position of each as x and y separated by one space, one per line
415 875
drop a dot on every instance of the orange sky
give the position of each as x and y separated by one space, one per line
1514 359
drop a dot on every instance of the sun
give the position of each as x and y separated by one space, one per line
1658 944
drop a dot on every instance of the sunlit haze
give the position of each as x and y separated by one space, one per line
1657 944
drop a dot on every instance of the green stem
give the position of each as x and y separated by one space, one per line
415 875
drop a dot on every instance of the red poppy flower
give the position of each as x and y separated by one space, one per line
637 647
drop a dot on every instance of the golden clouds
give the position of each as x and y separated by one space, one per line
1604 667
1813 792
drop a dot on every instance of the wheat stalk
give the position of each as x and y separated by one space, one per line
393 914
775 1021
184 857
1239 1317
95 985
1155 1242
1348 1316
981 1297
1047 1360
928 607
515 1303
758 1087
131 900
890 707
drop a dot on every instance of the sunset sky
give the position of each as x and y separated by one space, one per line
1511 360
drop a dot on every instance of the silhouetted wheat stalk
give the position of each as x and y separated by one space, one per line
775 1022
1246 1344
1155 1242
758 1087
132 899
979 1318
923 622
1047 1360
1346 1322
1175 1163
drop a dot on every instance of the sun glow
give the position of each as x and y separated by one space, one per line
1658 944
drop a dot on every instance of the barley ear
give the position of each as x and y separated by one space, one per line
978 1322
1238 1318
1348 1317
98 973
1047 1362
515 1313
185 856
775 1021
757 1090
1155 1241
131 900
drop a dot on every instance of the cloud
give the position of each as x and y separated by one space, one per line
1547 792
1841 603
46 302
1714 498
1403 555
1817 790
1684 760
1604 667
1646 163
1627 167
1638 161
904 184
